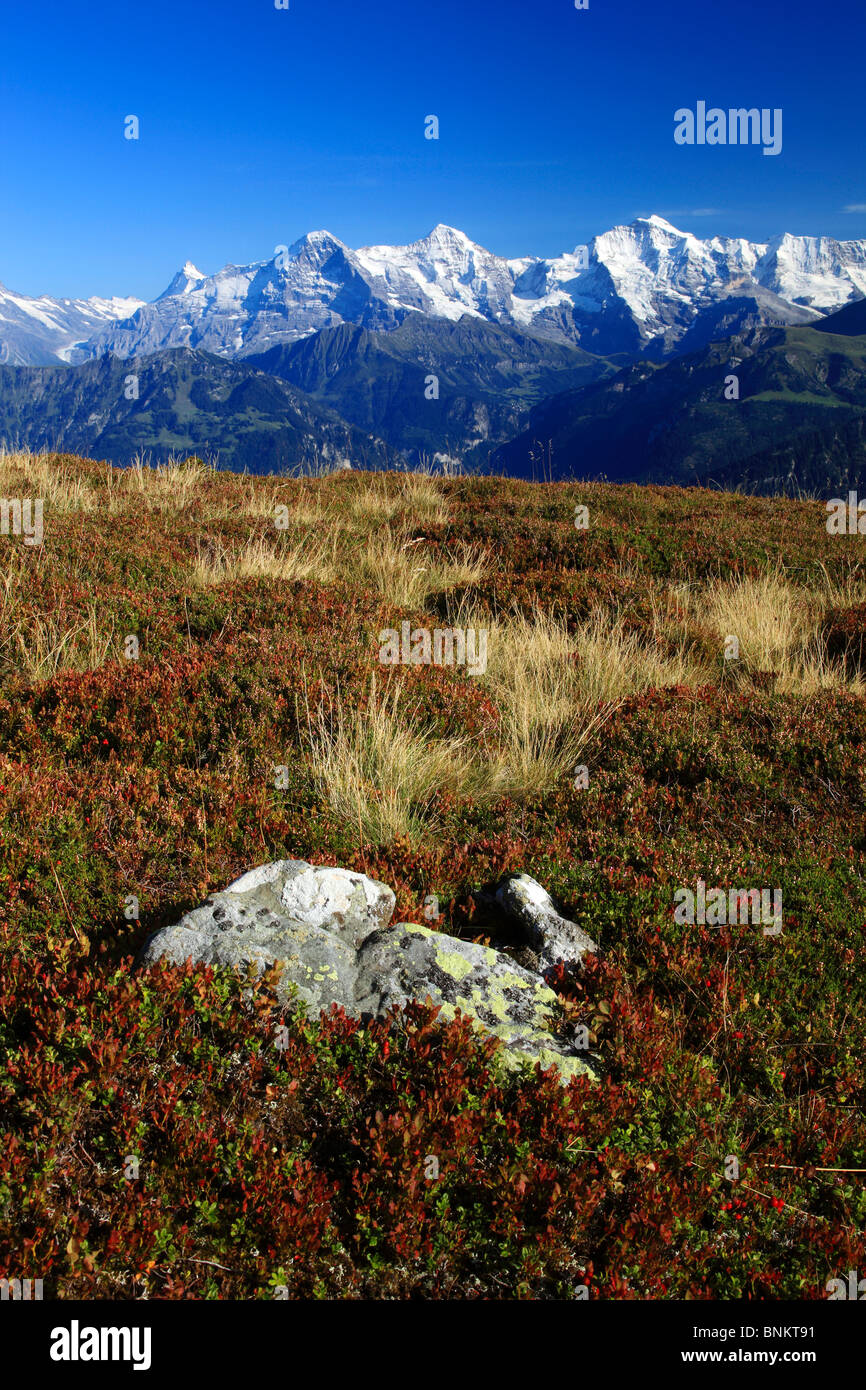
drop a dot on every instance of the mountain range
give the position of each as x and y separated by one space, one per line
43 330
609 360
645 288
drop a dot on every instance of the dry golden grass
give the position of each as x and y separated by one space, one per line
348 530
13 581
62 487
262 497
355 501
167 487
615 663
377 498
404 571
380 769
556 690
40 647
368 500
771 620
547 721
314 558
423 499
778 627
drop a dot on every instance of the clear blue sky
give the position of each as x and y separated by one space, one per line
258 125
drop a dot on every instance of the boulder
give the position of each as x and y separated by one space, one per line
329 928
313 920
408 962
551 936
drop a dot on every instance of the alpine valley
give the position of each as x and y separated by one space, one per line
613 360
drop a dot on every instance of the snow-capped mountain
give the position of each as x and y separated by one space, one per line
316 283
42 331
185 281
813 270
444 275
654 284
645 288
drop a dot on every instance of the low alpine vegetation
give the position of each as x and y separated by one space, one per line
178 1133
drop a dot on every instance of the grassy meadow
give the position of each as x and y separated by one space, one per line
156 1143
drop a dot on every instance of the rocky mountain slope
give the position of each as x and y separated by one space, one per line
433 386
708 416
176 402
37 331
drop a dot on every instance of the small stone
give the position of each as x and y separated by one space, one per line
554 939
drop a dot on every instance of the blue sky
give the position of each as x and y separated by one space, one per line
260 124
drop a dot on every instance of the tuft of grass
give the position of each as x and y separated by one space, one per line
777 624
377 498
171 486
379 767
555 691
773 620
63 487
39 647
311 558
404 573
548 716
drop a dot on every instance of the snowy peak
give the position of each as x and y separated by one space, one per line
185 281
655 221
316 247
445 274
815 271
442 238
446 238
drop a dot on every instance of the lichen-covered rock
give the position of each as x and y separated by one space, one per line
328 927
553 938
311 919
406 962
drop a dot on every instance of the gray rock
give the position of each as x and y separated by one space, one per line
311 919
328 927
553 938
408 962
